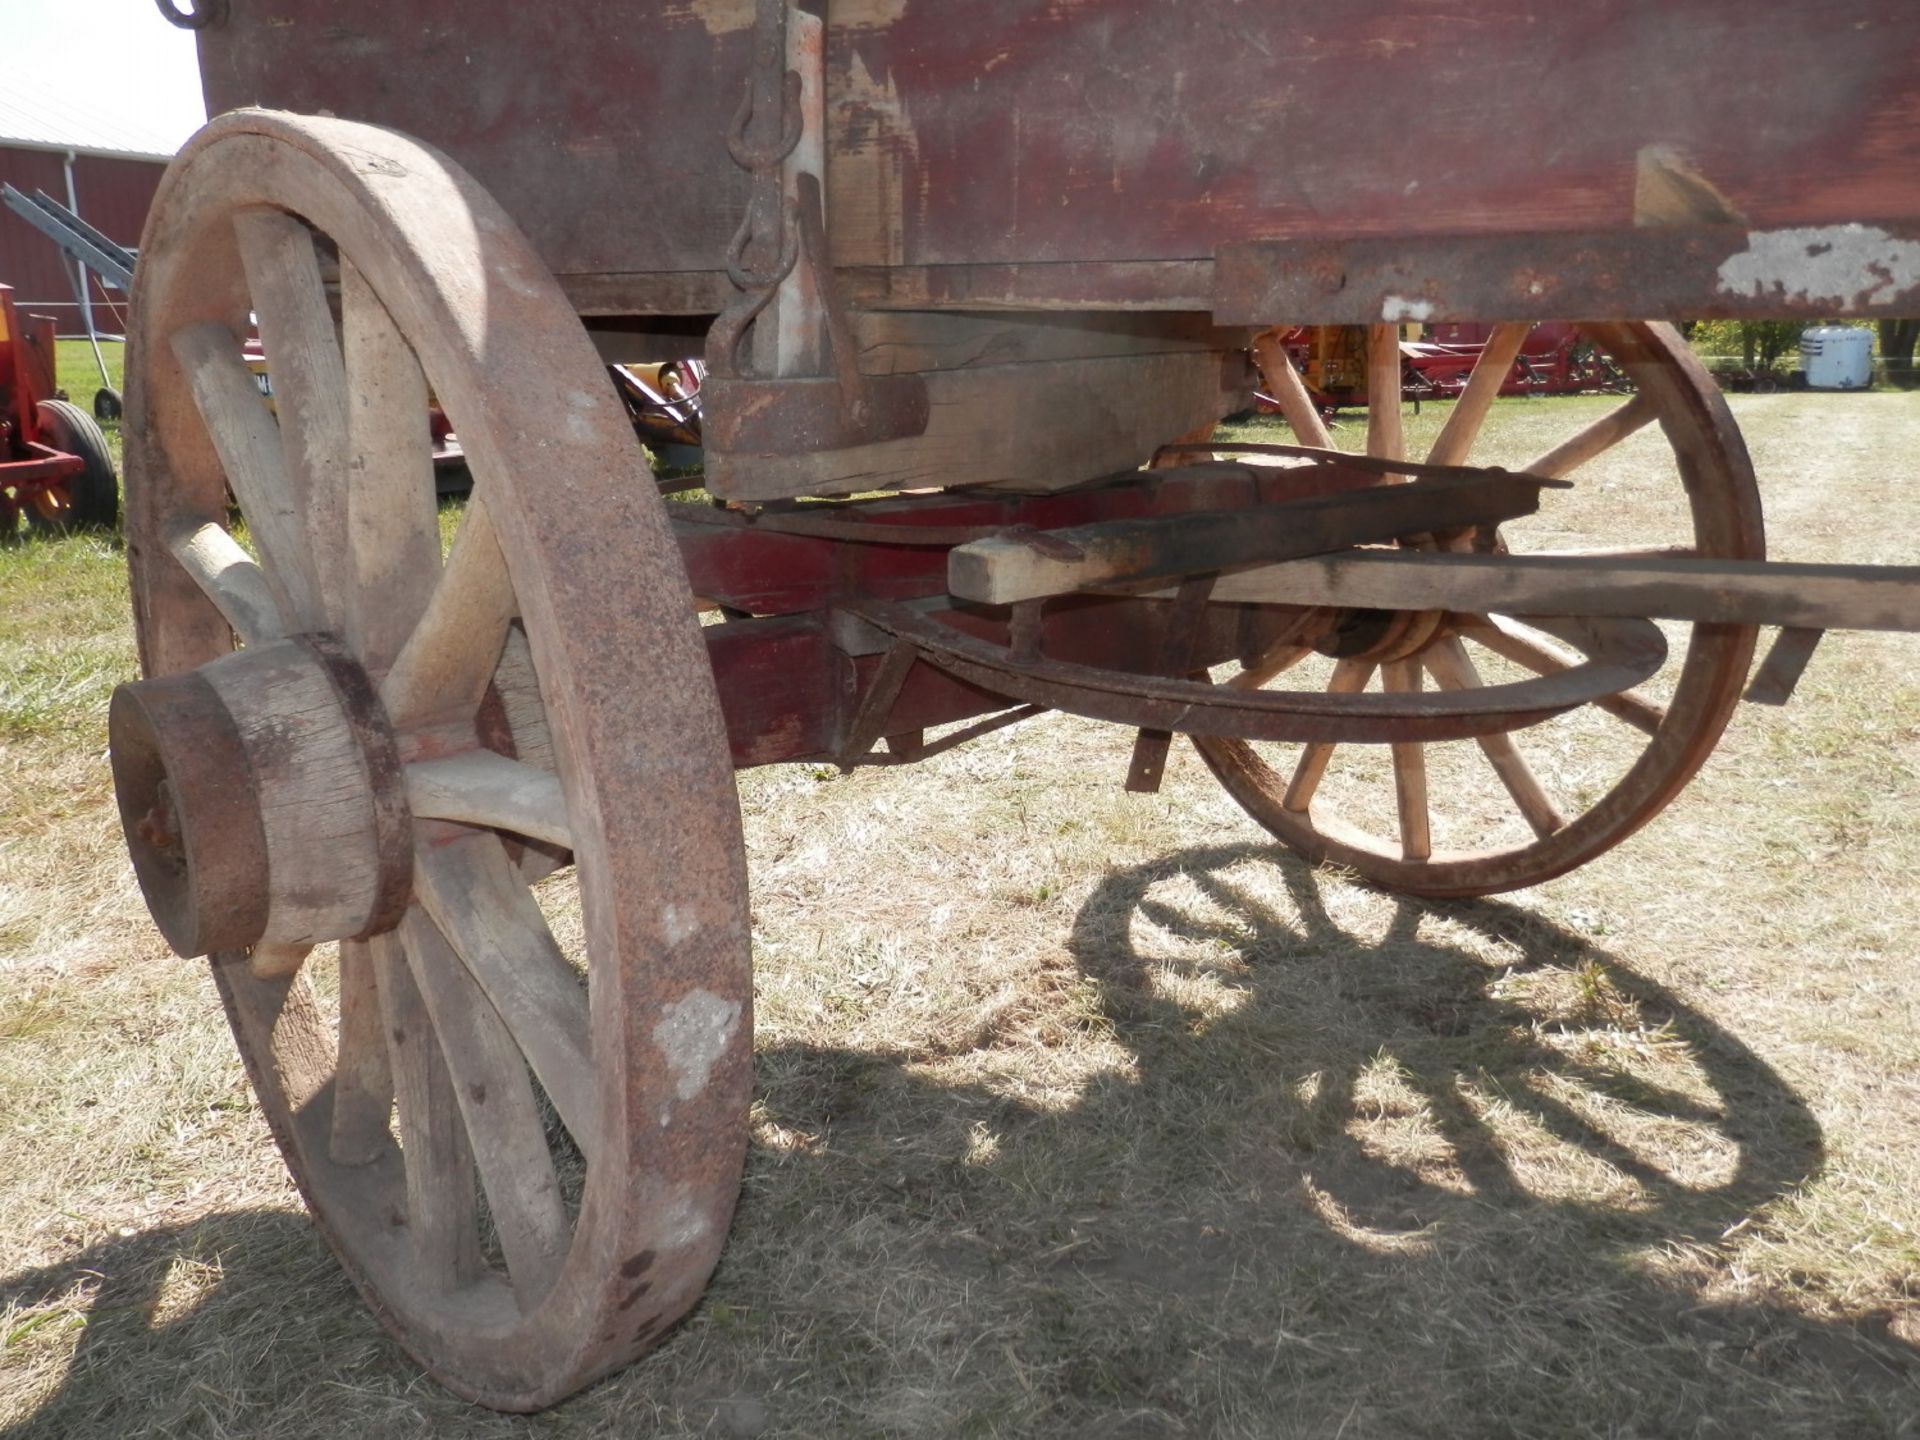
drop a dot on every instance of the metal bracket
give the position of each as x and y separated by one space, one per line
797 387
1151 744
1786 662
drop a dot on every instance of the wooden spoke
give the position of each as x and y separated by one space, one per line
1602 435
1290 391
1277 660
442 1208
310 386
447 661
248 442
1285 649
1454 669
486 911
277 962
228 576
1505 639
519 690
482 788
1384 440
393 529
501 1112
363 1073
1409 772
1350 677
1455 441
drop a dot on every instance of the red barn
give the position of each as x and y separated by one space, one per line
105 170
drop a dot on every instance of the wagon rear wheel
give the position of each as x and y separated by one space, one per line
1514 809
519 1123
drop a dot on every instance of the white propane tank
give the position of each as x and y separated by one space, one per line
1836 357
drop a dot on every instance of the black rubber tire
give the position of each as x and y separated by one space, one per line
106 403
95 492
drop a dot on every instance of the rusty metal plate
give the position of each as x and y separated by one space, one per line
1683 272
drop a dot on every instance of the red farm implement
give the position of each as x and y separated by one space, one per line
917 262
55 468
1435 364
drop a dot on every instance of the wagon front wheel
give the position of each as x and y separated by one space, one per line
514 1099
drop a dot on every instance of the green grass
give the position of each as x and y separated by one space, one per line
76 371
64 638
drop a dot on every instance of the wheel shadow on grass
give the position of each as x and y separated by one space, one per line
1461 1172
1336 1166
187 1330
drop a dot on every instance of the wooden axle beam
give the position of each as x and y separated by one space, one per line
1743 592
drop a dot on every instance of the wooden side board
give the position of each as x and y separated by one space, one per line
1093 153
975 132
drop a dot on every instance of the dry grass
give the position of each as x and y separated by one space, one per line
1088 1114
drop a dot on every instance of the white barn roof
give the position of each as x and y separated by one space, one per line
40 118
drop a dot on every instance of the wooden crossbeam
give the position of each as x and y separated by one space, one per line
1007 569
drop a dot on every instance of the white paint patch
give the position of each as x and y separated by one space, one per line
1398 307
1854 265
676 926
693 1035
682 1222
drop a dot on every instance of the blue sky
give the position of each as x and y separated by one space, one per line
116 60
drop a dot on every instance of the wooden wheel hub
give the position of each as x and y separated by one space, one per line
1380 635
262 799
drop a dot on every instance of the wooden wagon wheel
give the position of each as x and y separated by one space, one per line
340 781
1500 824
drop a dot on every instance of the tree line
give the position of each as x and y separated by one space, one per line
1761 344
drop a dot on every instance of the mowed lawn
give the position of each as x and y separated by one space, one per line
1082 1113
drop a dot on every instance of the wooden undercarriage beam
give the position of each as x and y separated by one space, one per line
1041 425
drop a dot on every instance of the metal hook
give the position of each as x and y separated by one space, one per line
755 156
203 13
789 256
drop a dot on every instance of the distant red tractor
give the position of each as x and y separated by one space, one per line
55 468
